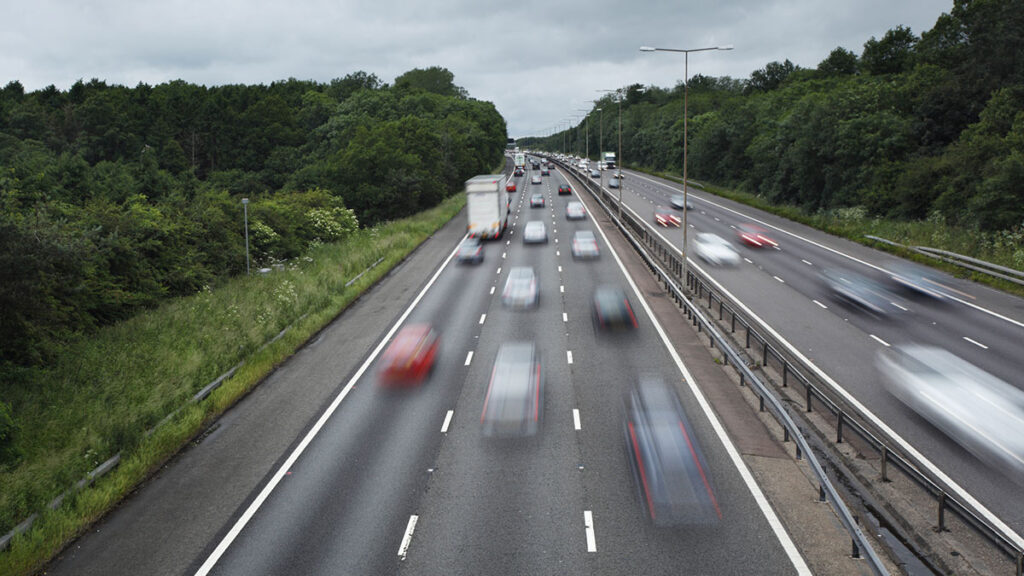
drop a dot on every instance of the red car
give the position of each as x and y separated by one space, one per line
755 236
666 217
510 187
410 357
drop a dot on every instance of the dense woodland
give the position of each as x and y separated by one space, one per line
113 198
914 127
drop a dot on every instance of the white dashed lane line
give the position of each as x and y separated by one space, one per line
976 343
880 341
492 290
568 356
588 523
482 318
779 279
748 260
565 317
820 304
407 539
447 421
469 358
806 262
576 418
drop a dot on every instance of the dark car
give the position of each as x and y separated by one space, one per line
409 358
471 251
515 395
679 202
613 183
595 173
612 309
860 291
545 172
518 172
564 189
537 201
670 472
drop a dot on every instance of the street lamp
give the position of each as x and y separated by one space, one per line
686 91
618 159
245 208
588 131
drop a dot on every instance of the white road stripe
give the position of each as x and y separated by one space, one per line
806 262
492 289
820 304
565 317
407 539
898 306
576 418
447 421
559 268
882 342
779 279
482 318
976 343
499 270
469 358
568 355
561 289
748 260
588 523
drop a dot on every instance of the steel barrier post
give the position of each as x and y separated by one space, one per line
808 398
839 427
885 463
942 512
785 374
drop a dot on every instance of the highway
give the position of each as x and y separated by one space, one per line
321 470
782 286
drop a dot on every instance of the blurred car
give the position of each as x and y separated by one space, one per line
535 233
409 359
979 411
858 290
537 201
575 211
669 468
521 288
612 309
535 180
613 183
665 217
714 250
513 405
564 189
510 187
584 245
471 251
535 165
545 171
754 236
595 173
518 172
679 201
920 279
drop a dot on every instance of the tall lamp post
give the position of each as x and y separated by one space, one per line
686 92
588 132
618 160
245 209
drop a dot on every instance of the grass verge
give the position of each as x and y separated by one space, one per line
111 387
1005 247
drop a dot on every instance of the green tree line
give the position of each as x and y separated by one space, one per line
113 198
913 127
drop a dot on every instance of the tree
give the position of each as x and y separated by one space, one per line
770 77
890 55
434 79
840 62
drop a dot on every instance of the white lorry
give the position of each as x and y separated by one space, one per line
487 206
521 161
609 160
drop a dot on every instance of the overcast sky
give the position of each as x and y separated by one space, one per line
537 61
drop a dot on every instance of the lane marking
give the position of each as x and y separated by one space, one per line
492 289
976 343
748 260
820 304
407 539
565 317
559 268
447 421
568 355
499 270
469 358
482 318
562 289
879 340
779 279
289 462
806 262
503 255
898 306
588 523
576 418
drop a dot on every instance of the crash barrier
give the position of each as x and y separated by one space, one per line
1008 274
665 261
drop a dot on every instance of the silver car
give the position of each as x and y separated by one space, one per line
535 233
714 250
521 288
515 395
584 245
575 211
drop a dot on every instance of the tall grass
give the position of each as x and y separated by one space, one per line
112 386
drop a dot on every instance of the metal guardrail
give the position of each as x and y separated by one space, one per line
1008 274
815 392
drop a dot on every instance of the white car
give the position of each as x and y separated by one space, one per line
535 233
575 211
714 250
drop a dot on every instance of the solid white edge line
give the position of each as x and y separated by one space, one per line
407 539
835 251
976 343
576 418
447 421
958 490
469 358
879 340
246 516
762 503
588 524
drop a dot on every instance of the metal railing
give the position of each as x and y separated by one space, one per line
815 392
